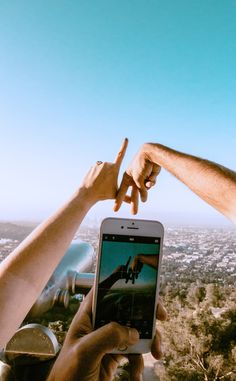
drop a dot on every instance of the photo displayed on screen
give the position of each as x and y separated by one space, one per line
127 282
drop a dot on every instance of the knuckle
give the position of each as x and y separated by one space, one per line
81 348
139 181
126 179
113 326
116 331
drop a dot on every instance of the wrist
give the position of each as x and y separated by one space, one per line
84 198
155 152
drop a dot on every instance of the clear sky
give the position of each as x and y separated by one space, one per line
78 76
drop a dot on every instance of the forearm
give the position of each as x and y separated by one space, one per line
214 183
149 259
24 273
107 283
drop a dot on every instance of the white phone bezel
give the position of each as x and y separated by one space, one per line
135 227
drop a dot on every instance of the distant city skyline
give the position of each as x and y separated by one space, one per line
76 78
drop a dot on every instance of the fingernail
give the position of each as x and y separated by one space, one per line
133 335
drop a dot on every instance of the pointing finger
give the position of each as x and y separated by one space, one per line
120 197
121 153
134 199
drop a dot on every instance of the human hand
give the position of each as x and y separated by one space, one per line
84 355
157 346
140 176
136 266
121 271
100 182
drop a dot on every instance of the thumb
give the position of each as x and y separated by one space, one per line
109 337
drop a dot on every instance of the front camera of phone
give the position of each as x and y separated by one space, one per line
122 227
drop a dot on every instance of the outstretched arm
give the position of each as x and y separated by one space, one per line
146 259
24 273
212 182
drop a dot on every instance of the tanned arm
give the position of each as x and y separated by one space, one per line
24 273
213 182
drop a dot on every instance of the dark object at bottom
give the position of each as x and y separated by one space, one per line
29 355
36 372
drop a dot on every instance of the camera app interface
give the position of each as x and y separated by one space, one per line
127 282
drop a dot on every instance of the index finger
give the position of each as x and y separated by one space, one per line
125 183
121 153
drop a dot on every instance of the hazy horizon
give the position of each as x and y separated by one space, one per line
175 221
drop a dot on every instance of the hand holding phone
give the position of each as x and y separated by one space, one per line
126 285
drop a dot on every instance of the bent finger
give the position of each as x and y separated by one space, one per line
81 324
156 169
149 184
156 347
136 367
143 194
121 194
151 180
109 366
161 313
121 153
108 338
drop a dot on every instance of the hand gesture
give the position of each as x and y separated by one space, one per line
100 182
140 176
136 266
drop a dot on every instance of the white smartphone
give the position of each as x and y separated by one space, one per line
127 277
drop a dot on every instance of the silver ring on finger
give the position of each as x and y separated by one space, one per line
122 349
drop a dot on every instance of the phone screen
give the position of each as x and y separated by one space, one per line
127 282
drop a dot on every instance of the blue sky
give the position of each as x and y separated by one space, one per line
78 76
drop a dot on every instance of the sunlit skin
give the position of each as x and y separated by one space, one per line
84 355
148 259
28 268
212 182
26 271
